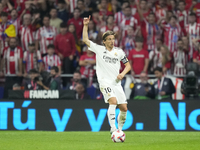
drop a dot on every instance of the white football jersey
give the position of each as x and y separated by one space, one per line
108 63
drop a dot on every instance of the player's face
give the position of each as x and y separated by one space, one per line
158 74
109 42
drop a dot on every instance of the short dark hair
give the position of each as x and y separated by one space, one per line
173 17
76 8
50 46
47 16
61 2
77 71
63 25
31 44
158 69
33 71
159 39
152 13
13 10
55 68
179 40
192 14
4 14
181 1
106 34
139 39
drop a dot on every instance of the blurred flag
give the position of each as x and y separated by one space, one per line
10 31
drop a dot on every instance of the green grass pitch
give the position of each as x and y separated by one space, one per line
43 140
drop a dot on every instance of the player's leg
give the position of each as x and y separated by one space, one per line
111 113
122 115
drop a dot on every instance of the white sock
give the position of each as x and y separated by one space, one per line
121 119
111 116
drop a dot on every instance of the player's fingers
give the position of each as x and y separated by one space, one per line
89 17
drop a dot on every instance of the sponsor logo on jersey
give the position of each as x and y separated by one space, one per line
110 60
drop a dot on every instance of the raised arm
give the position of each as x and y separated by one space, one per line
85 31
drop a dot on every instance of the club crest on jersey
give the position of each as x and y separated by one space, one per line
115 54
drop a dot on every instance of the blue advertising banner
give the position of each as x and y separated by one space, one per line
91 115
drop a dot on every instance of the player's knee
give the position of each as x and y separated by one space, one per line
124 109
112 101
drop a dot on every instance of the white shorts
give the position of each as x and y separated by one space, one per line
117 91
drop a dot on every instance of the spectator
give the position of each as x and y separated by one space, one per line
155 57
98 20
15 20
12 62
163 88
166 59
51 59
87 63
138 57
56 82
138 91
76 78
16 86
161 10
3 25
92 31
65 48
46 35
187 48
72 29
193 31
172 32
31 81
182 15
104 8
55 21
180 60
129 20
7 7
80 5
196 54
119 16
112 27
90 6
81 91
26 32
62 11
128 42
32 59
150 30
143 10
78 22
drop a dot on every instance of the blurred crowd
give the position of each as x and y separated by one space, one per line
44 38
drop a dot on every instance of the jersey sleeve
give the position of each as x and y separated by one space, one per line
123 57
93 47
